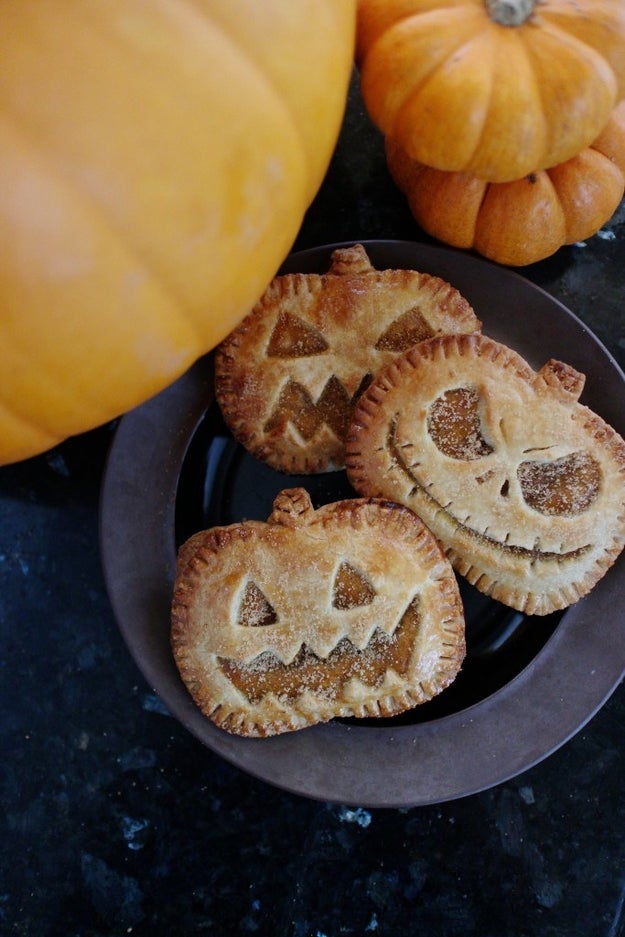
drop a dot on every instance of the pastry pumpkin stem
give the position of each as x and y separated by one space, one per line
510 12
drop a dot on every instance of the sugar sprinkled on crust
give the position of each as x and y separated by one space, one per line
366 616
288 377
523 485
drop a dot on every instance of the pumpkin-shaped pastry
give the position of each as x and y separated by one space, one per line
348 610
287 378
523 485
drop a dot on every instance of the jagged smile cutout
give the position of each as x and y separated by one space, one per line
267 673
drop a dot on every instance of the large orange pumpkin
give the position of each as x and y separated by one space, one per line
157 161
495 88
518 223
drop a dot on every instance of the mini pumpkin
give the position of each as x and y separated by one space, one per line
523 485
348 610
494 88
157 161
518 223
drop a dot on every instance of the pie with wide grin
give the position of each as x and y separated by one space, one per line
352 609
523 485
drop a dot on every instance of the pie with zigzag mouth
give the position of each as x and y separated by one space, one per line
352 609
523 485
288 377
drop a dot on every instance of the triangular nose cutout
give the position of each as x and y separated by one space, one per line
255 610
351 588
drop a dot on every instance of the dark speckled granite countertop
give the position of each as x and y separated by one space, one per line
116 821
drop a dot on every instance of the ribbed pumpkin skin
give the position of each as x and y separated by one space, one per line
518 223
157 161
462 93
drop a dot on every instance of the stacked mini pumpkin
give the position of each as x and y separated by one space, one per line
504 120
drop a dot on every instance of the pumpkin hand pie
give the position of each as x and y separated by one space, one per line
348 610
287 378
523 485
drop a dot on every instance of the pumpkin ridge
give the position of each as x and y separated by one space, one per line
384 43
51 385
603 74
584 217
75 191
335 27
403 115
75 182
134 249
515 38
247 55
605 142
217 36
609 18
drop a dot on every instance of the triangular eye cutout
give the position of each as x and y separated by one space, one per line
406 331
255 609
294 338
351 588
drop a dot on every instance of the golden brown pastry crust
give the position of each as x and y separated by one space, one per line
523 485
348 610
287 378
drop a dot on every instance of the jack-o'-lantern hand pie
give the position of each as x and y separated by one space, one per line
352 609
523 485
287 378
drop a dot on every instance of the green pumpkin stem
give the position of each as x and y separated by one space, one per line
510 12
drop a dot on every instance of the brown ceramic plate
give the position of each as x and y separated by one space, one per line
528 684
